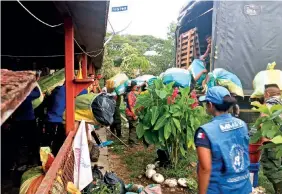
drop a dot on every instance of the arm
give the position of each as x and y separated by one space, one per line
205 166
207 52
35 93
200 74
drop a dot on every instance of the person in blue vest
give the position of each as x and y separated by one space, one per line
54 134
222 147
25 132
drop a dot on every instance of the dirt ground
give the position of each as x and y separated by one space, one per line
118 166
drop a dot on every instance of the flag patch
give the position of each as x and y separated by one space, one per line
201 136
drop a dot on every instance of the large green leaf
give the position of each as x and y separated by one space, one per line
140 130
167 130
161 122
276 107
184 91
277 113
266 127
182 150
274 130
158 84
155 114
256 137
161 135
277 139
189 133
147 118
268 145
192 121
177 124
173 128
148 135
161 93
177 114
174 108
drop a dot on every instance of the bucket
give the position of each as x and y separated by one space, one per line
254 152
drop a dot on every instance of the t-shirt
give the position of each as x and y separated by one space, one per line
201 139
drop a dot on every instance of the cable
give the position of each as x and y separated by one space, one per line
47 56
52 26
111 26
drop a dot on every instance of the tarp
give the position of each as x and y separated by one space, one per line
247 35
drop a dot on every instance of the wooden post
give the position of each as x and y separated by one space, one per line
69 73
84 66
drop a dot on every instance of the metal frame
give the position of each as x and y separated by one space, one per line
73 88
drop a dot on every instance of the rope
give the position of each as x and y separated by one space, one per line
51 26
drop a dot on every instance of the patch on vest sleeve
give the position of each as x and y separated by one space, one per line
231 125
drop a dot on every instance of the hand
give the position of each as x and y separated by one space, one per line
205 71
202 58
135 118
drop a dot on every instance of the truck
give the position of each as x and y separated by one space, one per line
246 36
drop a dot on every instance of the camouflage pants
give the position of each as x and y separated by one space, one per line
272 168
132 137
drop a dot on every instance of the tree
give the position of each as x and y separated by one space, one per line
126 53
132 60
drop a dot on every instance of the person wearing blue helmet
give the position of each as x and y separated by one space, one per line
222 147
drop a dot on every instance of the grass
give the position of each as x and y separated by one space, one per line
183 169
138 161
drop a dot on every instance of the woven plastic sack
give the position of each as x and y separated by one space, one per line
29 177
226 79
181 77
148 78
121 89
152 189
196 68
116 81
268 76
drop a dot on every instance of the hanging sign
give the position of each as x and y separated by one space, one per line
120 8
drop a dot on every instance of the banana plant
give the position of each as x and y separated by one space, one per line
168 119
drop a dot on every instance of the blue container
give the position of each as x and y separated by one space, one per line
254 169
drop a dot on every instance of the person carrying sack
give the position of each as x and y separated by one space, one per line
130 113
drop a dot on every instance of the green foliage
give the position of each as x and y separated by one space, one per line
168 125
270 126
126 53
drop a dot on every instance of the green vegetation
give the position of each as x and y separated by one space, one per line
168 120
126 53
269 127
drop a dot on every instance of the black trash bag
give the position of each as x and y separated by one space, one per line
103 108
115 183
163 158
96 173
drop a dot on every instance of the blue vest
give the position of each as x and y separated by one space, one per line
230 155
57 105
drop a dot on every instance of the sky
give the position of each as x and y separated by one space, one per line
146 17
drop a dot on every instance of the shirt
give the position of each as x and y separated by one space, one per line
131 101
25 111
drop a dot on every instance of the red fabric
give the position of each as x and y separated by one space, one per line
131 98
